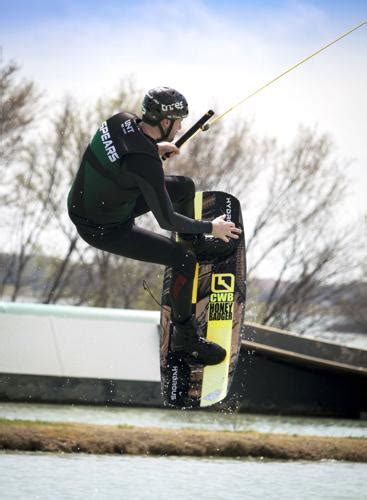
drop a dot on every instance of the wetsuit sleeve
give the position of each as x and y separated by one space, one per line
149 176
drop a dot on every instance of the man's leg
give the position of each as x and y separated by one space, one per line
181 191
207 249
140 244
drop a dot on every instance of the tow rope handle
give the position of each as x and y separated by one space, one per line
199 125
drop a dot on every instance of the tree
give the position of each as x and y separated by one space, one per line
351 313
38 203
32 196
19 102
290 198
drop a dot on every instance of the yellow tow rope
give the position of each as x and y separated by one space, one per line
219 117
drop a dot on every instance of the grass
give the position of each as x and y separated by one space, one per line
126 439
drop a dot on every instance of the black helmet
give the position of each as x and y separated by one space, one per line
163 102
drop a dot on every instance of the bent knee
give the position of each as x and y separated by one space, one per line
189 186
185 188
184 257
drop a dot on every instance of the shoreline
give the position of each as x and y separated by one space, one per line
22 435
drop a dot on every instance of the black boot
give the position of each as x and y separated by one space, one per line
186 339
208 248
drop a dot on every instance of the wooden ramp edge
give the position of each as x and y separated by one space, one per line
303 359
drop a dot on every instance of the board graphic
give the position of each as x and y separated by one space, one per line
218 301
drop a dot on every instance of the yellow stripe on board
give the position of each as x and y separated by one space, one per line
198 207
219 331
215 378
195 285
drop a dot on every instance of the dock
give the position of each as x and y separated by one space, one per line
81 355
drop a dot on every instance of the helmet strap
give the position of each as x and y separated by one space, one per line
165 133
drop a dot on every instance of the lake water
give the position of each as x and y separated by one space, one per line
29 476
184 419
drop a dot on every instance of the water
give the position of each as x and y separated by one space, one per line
184 419
29 476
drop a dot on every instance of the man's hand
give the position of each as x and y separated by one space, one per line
167 149
225 230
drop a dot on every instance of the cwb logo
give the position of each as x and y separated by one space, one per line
223 282
222 297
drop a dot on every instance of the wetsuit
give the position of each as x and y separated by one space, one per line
120 178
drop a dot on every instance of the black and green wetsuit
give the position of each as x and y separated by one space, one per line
120 165
121 177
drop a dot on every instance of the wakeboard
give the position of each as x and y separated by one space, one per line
218 302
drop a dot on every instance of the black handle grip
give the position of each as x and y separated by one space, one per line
192 130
